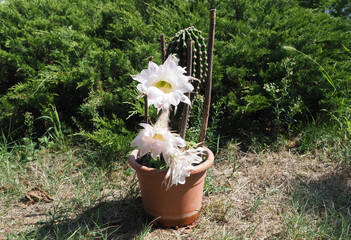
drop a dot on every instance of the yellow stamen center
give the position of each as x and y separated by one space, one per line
164 86
158 137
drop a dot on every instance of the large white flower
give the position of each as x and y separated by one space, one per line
180 165
157 140
164 85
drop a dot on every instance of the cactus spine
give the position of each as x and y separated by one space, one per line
178 46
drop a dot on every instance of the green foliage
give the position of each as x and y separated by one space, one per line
261 80
76 55
330 133
111 136
338 8
79 55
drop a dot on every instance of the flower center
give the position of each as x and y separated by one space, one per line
164 86
159 137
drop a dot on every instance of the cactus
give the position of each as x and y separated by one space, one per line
178 46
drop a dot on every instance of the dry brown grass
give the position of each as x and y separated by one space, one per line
252 202
257 196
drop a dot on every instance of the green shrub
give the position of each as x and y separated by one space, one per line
79 55
264 82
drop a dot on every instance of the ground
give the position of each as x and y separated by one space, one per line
265 195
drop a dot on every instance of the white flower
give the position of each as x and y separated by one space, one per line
164 85
157 140
180 165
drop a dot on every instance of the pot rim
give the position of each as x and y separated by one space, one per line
197 169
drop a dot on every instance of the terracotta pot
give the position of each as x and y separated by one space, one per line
179 205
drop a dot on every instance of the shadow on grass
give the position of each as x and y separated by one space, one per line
120 219
330 191
322 206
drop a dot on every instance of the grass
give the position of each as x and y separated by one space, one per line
75 181
248 195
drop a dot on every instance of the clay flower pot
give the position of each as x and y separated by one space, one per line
179 205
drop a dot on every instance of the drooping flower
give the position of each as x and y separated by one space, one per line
180 165
164 85
156 140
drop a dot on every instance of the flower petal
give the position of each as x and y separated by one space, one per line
164 85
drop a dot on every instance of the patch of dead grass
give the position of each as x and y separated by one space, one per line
256 200
249 198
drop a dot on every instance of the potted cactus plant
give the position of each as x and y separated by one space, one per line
173 195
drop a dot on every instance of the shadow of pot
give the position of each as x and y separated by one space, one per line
179 205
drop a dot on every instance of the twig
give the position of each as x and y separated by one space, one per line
163 47
186 106
208 83
146 116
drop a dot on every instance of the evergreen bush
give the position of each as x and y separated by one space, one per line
78 56
260 79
